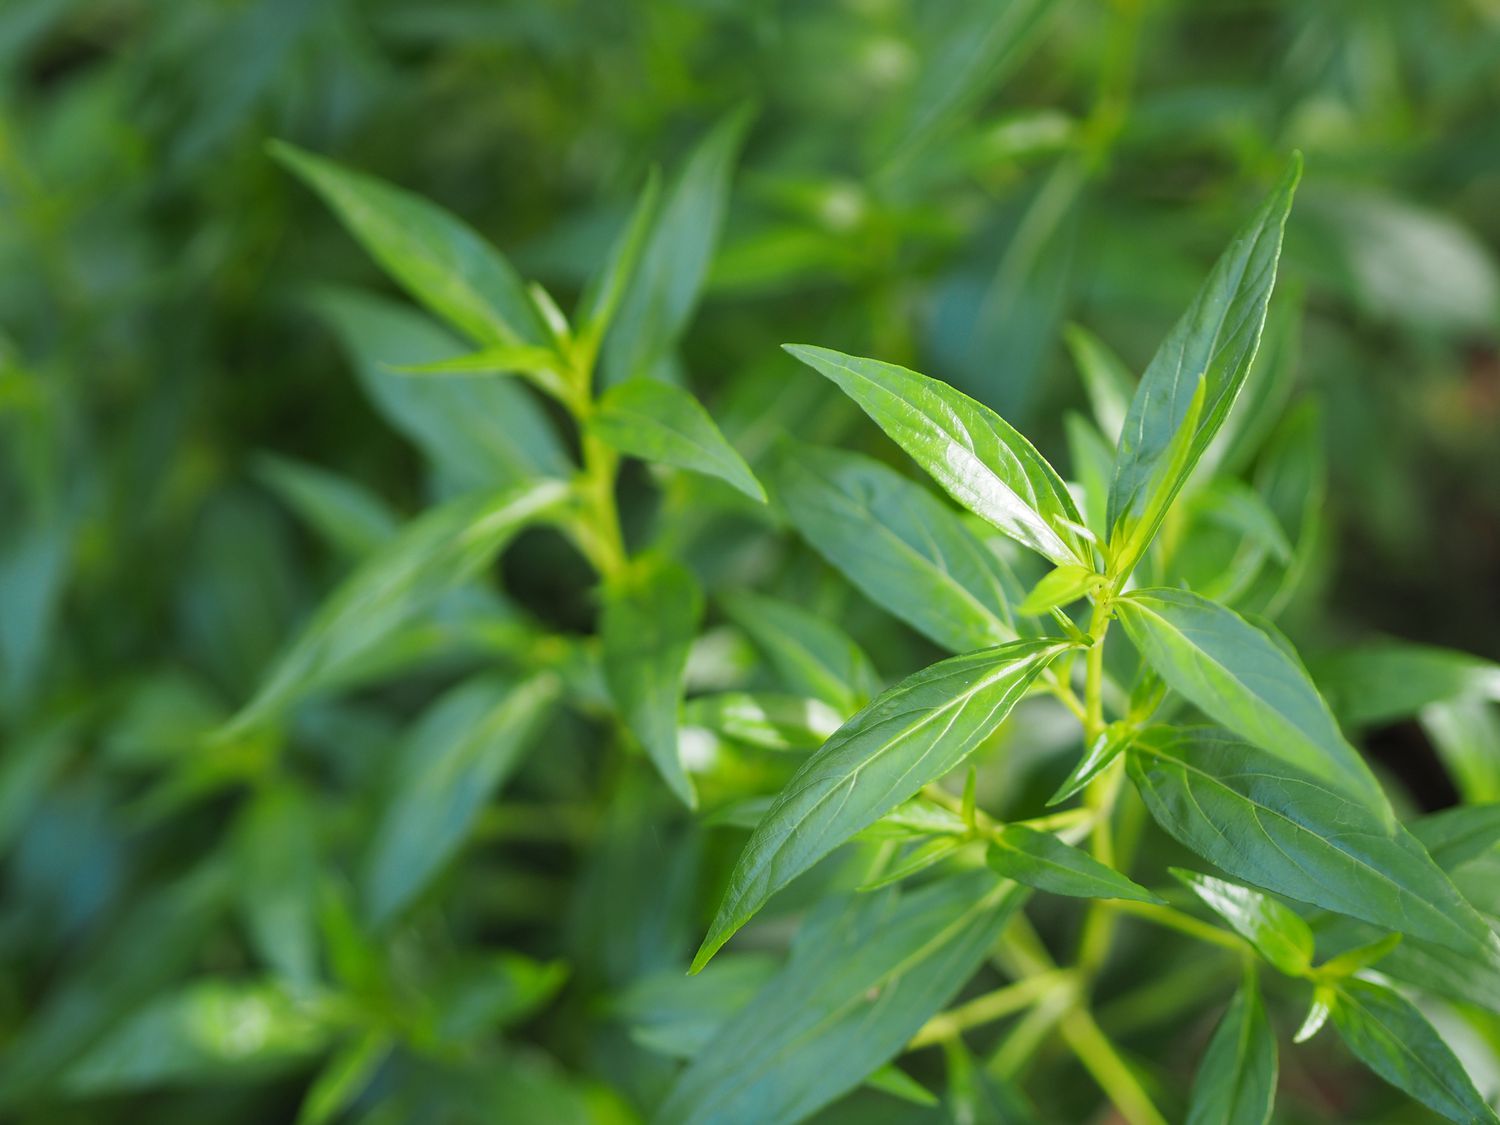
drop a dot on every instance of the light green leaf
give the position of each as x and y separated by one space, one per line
811 654
656 421
343 1078
1109 383
436 257
916 859
1381 682
456 755
434 553
1241 677
1275 827
966 447
1238 507
916 732
1388 1034
1356 960
863 976
907 551
352 520
1108 746
1466 736
772 722
1058 588
1041 860
1214 343
651 616
1278 933
539 366
664 288
601 299
276 859
1236 1081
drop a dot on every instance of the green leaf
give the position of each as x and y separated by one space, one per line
1278 933
811 654
1236 1081
1214 343
456 755
1466 736
276 858
906 550
1239 676
343 1078
539 366
863 976
650 619
1238 507
772 722
352 520
1388 1034
664 288
1041 860
1109 383
677 1015
1058 588
1381 682
965 446
435 256
607 288
1108 746
1275 827
656 421
434 553
1356 960
1459 834
916 860
911 735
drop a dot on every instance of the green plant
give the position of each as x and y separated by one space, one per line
914 889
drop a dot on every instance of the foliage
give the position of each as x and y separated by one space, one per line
381 748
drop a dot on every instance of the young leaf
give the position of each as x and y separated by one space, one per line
664 288
1109 383
656 421
811 654
967 448
539 366
434 553
1278 933
1317 1014
1381 682
907 551
1243 679
772 722
651 616
1214 343
1275 827
436 257
1389 1035
1108 746
1355 960
863 976
1058 588
602 297
912 734
1236 1081
918 859
1041 860
455 756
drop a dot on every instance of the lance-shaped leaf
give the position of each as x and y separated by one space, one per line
651 615
1277 827
1108 745
439 550
1389 1035
1241 677
1236 1081
810 654
772 722
905 549
1278 933
455 756
601 299
1378 683
1455 835
864 974
1107 380
436 257
909 736
1214 343
965 446
352 520
1041 860
656 421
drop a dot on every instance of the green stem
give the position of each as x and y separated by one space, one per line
1103 1061
990 1007
1176 920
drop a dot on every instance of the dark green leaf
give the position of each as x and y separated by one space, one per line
1390 1036
651 616
656 421
352 520
276 865
1236 1081
967 448
1214 343
1041 860
916 860
456 755
1241 677
1278 933
912 734
1458 834
1108 746
1381 682
1275 827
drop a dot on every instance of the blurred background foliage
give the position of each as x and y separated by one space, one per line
944 183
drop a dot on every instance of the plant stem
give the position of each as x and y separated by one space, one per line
1177 920
989 1007
1103 1061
